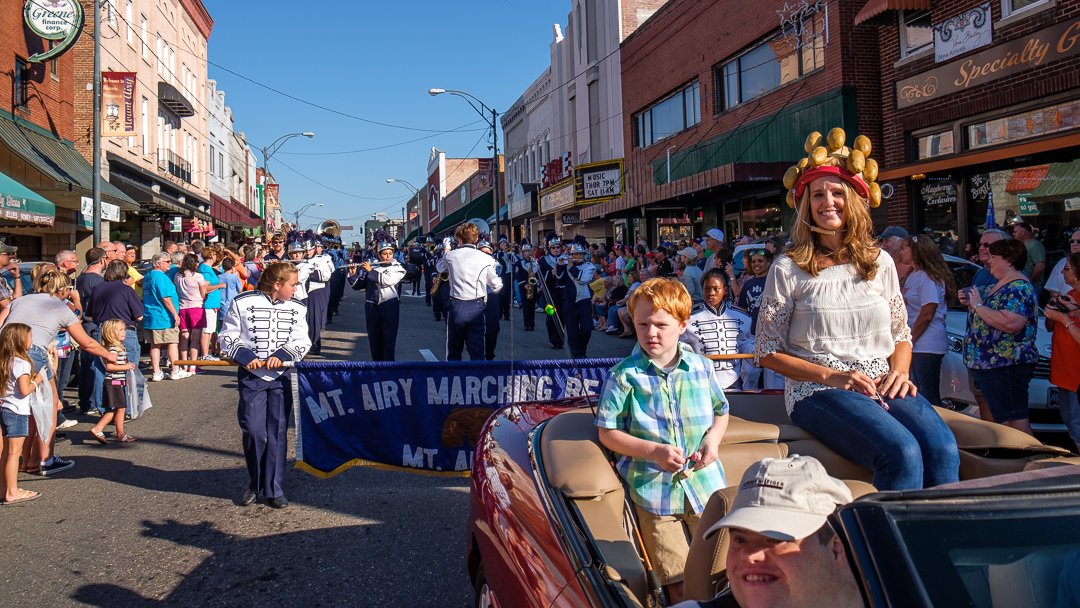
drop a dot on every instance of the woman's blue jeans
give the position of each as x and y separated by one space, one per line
907 447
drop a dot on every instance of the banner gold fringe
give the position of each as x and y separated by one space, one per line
358 462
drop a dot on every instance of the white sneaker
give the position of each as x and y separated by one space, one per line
157 377
180 374
209 358
67 424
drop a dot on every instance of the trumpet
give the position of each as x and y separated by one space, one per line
438 280
432 247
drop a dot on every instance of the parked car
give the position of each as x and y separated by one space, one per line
955 386
550 522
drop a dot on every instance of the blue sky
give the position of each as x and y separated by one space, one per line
375 61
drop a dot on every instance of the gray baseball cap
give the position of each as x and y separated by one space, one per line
891 231
5 248
784 498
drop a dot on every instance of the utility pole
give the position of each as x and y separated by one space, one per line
95 191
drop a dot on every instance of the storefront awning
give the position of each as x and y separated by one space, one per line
874 8
21 206
1062 180
480 207
1026 179
58 160
231 213
978 157
412 235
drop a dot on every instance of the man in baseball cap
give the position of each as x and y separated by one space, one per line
714 242
782 551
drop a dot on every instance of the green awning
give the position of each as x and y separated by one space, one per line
21 205
480 207
1063 179
57 159
412 235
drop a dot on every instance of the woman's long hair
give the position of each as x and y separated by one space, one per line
13 344
926 256
857 246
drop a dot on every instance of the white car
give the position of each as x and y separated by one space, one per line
955 386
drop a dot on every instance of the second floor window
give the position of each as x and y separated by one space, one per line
916 32
770 65
21 85
676 112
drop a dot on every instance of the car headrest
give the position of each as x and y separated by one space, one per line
574 461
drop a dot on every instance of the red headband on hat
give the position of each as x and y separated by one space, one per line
811 173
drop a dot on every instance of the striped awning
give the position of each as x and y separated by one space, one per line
873 8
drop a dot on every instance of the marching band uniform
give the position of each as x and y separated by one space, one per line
528 304
722 331
337 283
472 274
257 327
576 310
492 308
441 296
430 259
381 305
303 271
322 270
554 289
506 259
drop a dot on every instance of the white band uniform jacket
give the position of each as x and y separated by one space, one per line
581 275
722 332
257 327
303 273
472 273
322 268
382 281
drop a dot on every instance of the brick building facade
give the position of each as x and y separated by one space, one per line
756 96
37 133
998 124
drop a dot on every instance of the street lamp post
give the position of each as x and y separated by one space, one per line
483 111
404 226
270 150
299 212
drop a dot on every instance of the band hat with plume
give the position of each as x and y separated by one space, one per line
829 156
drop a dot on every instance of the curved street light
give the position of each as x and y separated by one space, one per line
270 150
416 191
483 110
299 212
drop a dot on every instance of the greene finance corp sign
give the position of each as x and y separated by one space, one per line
1024 53
60 20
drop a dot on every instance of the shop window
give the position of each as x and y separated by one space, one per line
770 64
936 144
1011 7
937 204
916 32
21 84
1024 125
673 114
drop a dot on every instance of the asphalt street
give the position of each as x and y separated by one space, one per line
155 522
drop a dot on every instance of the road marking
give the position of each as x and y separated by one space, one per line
428 355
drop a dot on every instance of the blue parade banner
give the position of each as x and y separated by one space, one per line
420 417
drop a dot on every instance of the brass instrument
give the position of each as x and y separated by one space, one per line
530 284
432 247
438 280
329 228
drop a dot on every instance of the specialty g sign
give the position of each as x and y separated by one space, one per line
54 20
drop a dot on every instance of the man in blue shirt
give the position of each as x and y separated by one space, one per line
161 319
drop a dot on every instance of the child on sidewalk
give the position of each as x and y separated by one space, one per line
114 391
664 412
19 383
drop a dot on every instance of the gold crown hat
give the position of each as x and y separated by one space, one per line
829 156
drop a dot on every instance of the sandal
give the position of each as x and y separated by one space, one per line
26 496
99 436
125 438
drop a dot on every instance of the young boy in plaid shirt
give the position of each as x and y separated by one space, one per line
665 413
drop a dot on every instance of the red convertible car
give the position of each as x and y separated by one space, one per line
549 523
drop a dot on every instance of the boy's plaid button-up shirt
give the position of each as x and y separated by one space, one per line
675 408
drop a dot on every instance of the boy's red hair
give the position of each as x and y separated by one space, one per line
663 294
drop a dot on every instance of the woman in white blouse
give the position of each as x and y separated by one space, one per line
833 322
